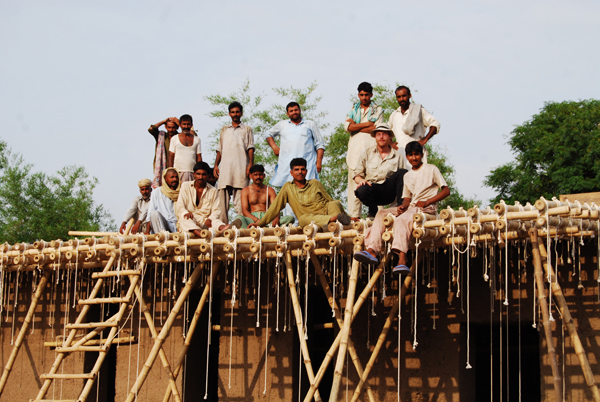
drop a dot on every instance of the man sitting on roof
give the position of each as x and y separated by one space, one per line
198 203
161 209
138 208
308 198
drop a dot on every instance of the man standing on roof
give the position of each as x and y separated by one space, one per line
360 123
410 120
300 138
235 154
185 150
161 151
138 208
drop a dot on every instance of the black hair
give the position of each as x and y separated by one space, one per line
292 104
235 104
257 168
403 87
186 117
297 162
365 86
202 166
414 146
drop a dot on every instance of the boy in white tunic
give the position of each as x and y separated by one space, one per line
421 186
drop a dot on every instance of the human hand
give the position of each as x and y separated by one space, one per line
135 227
189 215
362 182
216 171
401 209
276 150
422 204
248 170
122 228
253 225
208 223
319 166
395 145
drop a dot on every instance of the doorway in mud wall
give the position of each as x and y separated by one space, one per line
194 380
505 363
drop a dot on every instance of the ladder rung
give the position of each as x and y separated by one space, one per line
88 325
95 342
97 275
81 376
54 400
103 300
80 349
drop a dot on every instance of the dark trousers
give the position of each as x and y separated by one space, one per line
382 194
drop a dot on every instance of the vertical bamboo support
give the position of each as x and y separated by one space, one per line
345 331
128 227
386 327
298 314
160 339
541 291
192 329
73 332
568 320
15 351
338 318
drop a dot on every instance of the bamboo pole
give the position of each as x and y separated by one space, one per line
345 331
298 314
340 322
95 342
386 327
192 328
568 320
160 339
541 291
15 351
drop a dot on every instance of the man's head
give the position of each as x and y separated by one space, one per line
236 110
293 111
145 188
201 171
298 169
172 178
414 154
383 135
403 96
257 174
186 123
365 93
171 127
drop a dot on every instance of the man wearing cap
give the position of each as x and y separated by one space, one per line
138 208
379 171
360 123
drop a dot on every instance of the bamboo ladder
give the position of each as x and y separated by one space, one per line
95 328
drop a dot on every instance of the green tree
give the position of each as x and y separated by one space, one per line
556 152
40 206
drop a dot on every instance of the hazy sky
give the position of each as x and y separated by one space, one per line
81 81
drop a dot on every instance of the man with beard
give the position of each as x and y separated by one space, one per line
161 151
185 150
198 203
409 121
138 208
235 155
308 198
256 199
360 123
161 210
379 172
300 138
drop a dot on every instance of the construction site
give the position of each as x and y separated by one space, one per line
501 304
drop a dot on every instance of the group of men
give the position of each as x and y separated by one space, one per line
186 199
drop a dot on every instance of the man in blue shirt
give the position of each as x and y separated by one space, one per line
299 139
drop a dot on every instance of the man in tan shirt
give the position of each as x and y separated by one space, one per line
360 123
379 172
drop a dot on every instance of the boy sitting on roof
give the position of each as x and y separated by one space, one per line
308 198
421 186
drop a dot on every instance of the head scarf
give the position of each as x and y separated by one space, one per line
144 183
166 190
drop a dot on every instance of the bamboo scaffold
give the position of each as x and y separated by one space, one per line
111 255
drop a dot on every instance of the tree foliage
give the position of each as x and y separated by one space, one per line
556 152
39 206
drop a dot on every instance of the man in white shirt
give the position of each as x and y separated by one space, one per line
410 120
185 150
235 157
138 208
360 123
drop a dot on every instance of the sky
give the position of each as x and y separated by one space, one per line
81 81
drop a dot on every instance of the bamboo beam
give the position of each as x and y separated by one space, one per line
541 291
568 320
95 342
298 314
345 331
15 351
340 322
